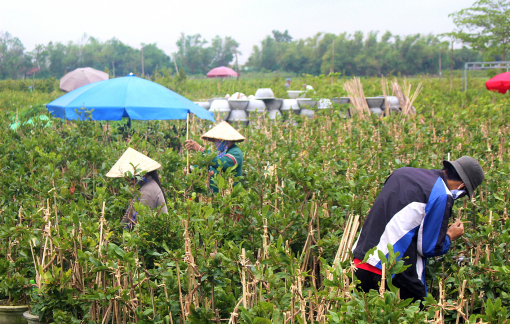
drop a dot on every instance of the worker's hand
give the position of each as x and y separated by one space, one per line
185 170
210 174
456 230
193 146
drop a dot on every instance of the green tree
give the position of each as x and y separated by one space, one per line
192 54
269 54
223 51
485 26
154 57
40 55
14 62
280 37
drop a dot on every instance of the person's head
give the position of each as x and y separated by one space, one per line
223 133
132 163
463 174
288 80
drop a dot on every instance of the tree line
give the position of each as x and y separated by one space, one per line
194 55
356 54
483 27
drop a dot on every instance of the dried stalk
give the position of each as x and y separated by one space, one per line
306 251
404 97
343 241
385 90
356 95
352 235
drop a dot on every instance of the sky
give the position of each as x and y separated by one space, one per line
162 21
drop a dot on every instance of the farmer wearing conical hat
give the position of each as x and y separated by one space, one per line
229 155
412 213
150 192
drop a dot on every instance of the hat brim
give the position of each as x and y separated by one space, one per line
129 159
223 131
211 139
463 175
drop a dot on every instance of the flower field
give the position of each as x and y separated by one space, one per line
260 253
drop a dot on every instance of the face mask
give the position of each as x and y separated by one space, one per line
457 193
222 147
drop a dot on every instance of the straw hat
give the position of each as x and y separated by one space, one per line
136 158
223 131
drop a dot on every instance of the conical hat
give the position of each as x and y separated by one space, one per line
223 131
136 158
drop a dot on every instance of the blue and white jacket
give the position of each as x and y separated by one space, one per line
411 212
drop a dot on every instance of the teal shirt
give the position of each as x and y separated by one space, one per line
232 157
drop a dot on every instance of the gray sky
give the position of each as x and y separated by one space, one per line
248 22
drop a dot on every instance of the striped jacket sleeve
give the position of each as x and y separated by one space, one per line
432 238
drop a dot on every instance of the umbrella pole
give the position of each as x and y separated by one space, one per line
187 138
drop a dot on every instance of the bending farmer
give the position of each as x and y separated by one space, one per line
224 137
150 192
412 213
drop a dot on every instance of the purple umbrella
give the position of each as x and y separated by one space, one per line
81 77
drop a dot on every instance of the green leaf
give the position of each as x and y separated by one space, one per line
334 317
147 312
382 257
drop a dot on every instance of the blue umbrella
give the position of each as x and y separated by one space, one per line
129 96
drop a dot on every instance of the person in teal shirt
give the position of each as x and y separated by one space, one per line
229 155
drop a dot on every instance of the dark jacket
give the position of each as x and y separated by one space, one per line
411 212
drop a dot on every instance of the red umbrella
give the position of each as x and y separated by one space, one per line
81 77
499 83
221 72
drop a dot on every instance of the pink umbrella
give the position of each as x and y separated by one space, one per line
81 77
221 72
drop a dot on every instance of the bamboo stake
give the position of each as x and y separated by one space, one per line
106 317
55 205
441 302
243 276
183 313
383 280
265 241
187 138
306 251
310 313
344 239
234 314
460 303
302 301
352 235
152 298
37 275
